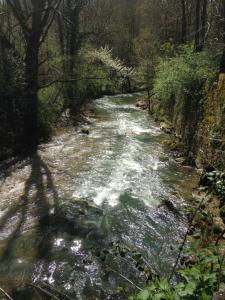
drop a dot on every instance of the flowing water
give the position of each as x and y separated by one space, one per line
87 214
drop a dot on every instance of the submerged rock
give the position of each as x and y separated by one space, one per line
169 205
77 217
142 104
85 131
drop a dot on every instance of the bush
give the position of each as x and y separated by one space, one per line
50 108
107 72
199 281
215 181
97 73
187 71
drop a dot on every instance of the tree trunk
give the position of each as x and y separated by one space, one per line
73 45
222 61
61 39
31 92
35 20
197 25
203 25
184 22
149 100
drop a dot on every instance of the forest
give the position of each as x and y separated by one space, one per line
55 56
112 149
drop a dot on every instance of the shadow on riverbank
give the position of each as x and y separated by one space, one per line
33 204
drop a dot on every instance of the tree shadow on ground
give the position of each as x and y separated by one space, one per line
34 201
39 198
40 202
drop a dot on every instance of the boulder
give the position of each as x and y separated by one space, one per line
219 295
166 128
168 204
218 225
85 131
142 104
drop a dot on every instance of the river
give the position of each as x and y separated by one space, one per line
87 214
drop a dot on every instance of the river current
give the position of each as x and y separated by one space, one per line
86 216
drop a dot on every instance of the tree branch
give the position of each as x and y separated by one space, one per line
70 80
19 16
6 294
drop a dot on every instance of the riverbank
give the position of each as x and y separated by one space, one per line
199 268
197 132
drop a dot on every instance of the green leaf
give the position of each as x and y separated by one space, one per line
188 289
205 296
176 297
164 285
210 278
144 295
159 296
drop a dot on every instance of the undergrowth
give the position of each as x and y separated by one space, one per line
186 71
199 280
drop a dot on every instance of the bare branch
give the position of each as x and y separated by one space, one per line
6 294
70 80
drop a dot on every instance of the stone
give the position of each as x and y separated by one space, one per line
218 225
166 128
169 205
142 104
181 160
219 295
85 131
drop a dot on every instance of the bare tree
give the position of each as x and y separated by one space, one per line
222 61
203 25
184 22
35 18
197 24
70 38
200 24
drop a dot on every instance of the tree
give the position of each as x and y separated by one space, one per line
70 38
197 25
203 25
184 22
222 61
200 24
35 19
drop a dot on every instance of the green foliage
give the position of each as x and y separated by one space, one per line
105 55
12 103
199 281
50 109
216 181
98 72
187 71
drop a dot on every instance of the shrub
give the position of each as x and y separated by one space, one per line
199 282
215 180
50 108
107 72
187 71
